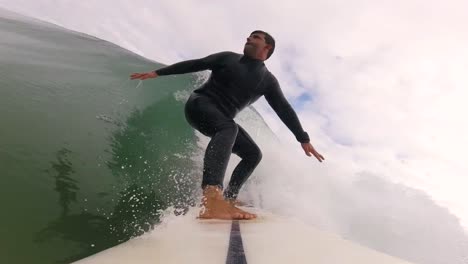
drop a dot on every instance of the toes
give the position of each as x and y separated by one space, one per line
248 216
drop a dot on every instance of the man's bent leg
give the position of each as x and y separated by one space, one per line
215 163
218 153
203 115
251 156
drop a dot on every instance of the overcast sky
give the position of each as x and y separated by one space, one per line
379 84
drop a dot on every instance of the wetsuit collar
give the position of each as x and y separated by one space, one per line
248 59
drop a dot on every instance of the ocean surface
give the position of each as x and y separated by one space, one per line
90 159
87 158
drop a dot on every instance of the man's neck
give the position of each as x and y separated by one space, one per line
254 58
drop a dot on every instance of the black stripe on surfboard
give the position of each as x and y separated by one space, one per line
236 253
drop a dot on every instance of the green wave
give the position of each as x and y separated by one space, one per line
87 159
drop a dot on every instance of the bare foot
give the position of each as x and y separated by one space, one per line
237 202
215 207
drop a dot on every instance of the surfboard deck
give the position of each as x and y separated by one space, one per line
267 239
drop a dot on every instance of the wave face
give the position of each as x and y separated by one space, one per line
90 159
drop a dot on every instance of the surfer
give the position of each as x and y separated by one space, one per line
236 81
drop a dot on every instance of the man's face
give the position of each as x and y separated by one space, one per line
255 43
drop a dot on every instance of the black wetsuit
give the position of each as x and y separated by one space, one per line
236 81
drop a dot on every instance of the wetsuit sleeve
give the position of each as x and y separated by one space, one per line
207 63
284 110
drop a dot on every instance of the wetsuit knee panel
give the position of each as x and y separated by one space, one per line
257 155
227 126
254 155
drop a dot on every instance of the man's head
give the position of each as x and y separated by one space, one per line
259 45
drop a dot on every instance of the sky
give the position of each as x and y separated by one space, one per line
379 85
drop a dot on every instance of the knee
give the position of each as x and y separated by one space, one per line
227 128
227 125
256 155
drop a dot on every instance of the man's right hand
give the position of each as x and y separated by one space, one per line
144 75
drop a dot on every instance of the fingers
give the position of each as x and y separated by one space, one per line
319 158
136 76
141 76
309 151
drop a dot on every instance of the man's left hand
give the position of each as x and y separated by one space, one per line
310 150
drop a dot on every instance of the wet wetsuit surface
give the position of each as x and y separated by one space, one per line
236 81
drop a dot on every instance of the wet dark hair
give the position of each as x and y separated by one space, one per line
268 40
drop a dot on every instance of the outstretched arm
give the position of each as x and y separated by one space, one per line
286 113
182 67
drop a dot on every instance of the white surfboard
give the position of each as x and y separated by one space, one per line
268 239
